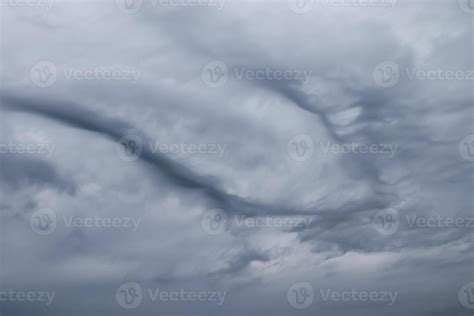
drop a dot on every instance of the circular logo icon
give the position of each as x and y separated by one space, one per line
43 222
467 6
300 147
215 74
466 148
300 6
43 74
466 295
386 74
215 221
386 222
129 6
129 295
129 148
300 295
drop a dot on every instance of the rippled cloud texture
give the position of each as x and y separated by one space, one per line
233 157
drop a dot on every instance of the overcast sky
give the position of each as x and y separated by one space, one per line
225 157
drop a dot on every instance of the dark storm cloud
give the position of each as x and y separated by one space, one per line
75 116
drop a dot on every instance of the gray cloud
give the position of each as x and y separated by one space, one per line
341 104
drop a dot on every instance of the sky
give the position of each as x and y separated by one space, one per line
225 157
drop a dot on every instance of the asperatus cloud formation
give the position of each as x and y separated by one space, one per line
236 157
